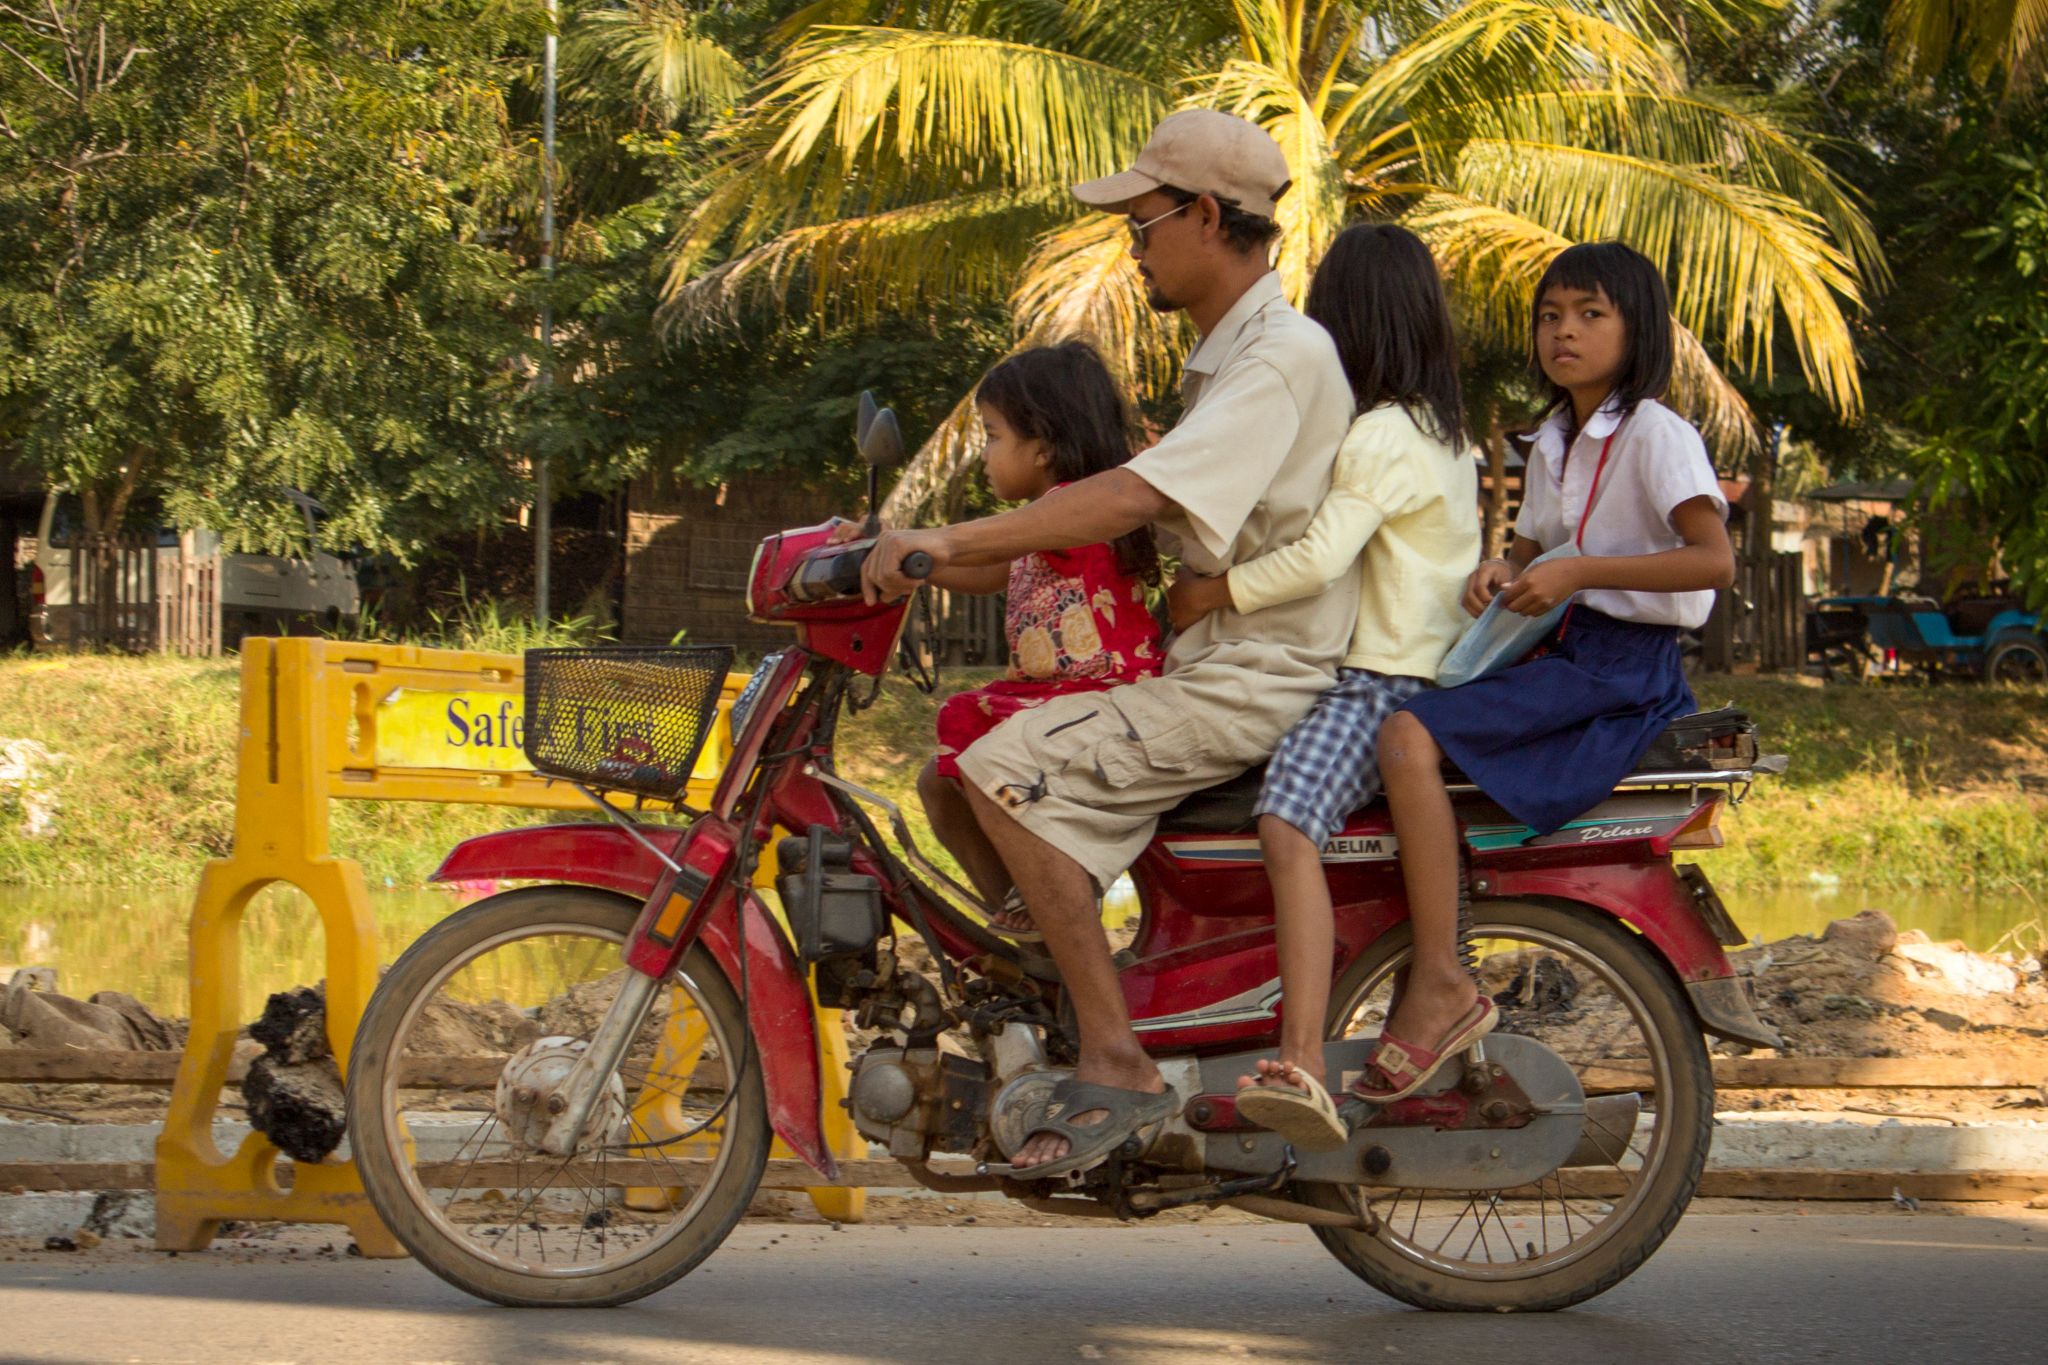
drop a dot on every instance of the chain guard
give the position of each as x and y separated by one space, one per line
1423 1155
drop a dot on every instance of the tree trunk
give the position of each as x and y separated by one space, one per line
1757 552
1496 510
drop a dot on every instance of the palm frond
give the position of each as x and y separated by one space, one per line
857 122
904 259
1495 258
1080 283
1740 137
655 46
2004 38
1499 48
1703 393
1313 210
1737 256
958 102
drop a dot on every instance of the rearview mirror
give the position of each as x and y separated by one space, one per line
882 444
866 418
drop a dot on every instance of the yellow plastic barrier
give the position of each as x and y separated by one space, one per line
324 720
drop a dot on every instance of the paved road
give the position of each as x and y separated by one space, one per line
1746 1287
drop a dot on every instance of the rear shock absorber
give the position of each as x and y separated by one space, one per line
1468 956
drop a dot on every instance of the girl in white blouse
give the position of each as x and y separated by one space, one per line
1627 482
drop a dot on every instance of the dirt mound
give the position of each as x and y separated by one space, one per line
1864 989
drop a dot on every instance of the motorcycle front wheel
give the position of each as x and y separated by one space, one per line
476 1019
1576 981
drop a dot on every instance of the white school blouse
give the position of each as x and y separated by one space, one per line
1658 461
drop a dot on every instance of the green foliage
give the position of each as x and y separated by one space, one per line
486 625
244 249
1983 399
896 165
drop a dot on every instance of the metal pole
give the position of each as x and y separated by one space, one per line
543 512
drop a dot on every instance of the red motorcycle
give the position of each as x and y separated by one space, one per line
647 1026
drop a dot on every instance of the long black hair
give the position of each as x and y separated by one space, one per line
1378 295
1065 396
1637 290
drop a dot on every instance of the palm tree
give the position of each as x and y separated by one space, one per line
902 165
2002 39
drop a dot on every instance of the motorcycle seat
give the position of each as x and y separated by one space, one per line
1704 742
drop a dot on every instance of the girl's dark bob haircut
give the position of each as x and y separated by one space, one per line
1066 397
1377 293
1637 290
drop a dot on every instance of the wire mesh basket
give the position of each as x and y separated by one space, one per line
623 718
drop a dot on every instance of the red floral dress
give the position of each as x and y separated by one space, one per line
1076 623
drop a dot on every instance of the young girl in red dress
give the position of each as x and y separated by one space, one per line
1076 620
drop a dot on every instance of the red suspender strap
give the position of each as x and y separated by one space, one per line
1607 445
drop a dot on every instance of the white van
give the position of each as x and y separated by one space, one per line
259 594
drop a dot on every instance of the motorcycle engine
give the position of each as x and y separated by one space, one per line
919 1100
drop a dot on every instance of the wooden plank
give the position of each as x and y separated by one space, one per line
1730 1073
16 1176
1733 1183
161 1069
104 1068
1833 1073
1793 1183
43 1176
2001 1186
779 1175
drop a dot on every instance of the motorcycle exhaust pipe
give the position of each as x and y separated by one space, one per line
1610 1127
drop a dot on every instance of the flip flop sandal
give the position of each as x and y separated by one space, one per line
1125 1114
1015 909
1299 1110
1407 1068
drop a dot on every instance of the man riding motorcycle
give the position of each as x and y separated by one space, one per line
1069 793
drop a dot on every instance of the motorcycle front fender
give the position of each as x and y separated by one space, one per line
781 1020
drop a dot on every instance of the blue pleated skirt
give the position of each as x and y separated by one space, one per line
1547 739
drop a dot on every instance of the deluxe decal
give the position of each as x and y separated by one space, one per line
1600 832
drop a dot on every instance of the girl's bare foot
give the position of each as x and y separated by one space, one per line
1282 1073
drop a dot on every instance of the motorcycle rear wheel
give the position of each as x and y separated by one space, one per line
676 1165
1492 1263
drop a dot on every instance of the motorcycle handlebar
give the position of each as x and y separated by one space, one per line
837 574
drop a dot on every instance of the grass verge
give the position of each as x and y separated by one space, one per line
1890 787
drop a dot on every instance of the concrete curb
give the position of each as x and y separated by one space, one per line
1788 1141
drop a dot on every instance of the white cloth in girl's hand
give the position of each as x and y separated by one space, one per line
1658 461
1501 637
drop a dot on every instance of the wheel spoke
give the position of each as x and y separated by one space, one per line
1584 1007
531 993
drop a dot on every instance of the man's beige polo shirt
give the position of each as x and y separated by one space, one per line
1246 467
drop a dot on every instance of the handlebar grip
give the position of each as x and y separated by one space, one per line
917 564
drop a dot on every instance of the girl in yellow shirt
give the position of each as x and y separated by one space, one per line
1403 514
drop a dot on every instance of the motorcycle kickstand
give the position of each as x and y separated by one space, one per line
1145 1202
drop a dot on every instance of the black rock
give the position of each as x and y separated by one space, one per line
300 1108
294 1025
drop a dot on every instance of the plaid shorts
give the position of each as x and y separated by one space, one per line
1329 765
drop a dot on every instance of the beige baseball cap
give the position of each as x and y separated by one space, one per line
1203 151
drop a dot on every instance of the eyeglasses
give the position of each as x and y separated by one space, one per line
1137 230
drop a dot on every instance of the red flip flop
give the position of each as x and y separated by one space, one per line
1407 1068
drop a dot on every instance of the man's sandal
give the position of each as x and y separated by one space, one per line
1013 921
1397 1069
1297 1108
1126 1113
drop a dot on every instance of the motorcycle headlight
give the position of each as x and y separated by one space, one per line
744 703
